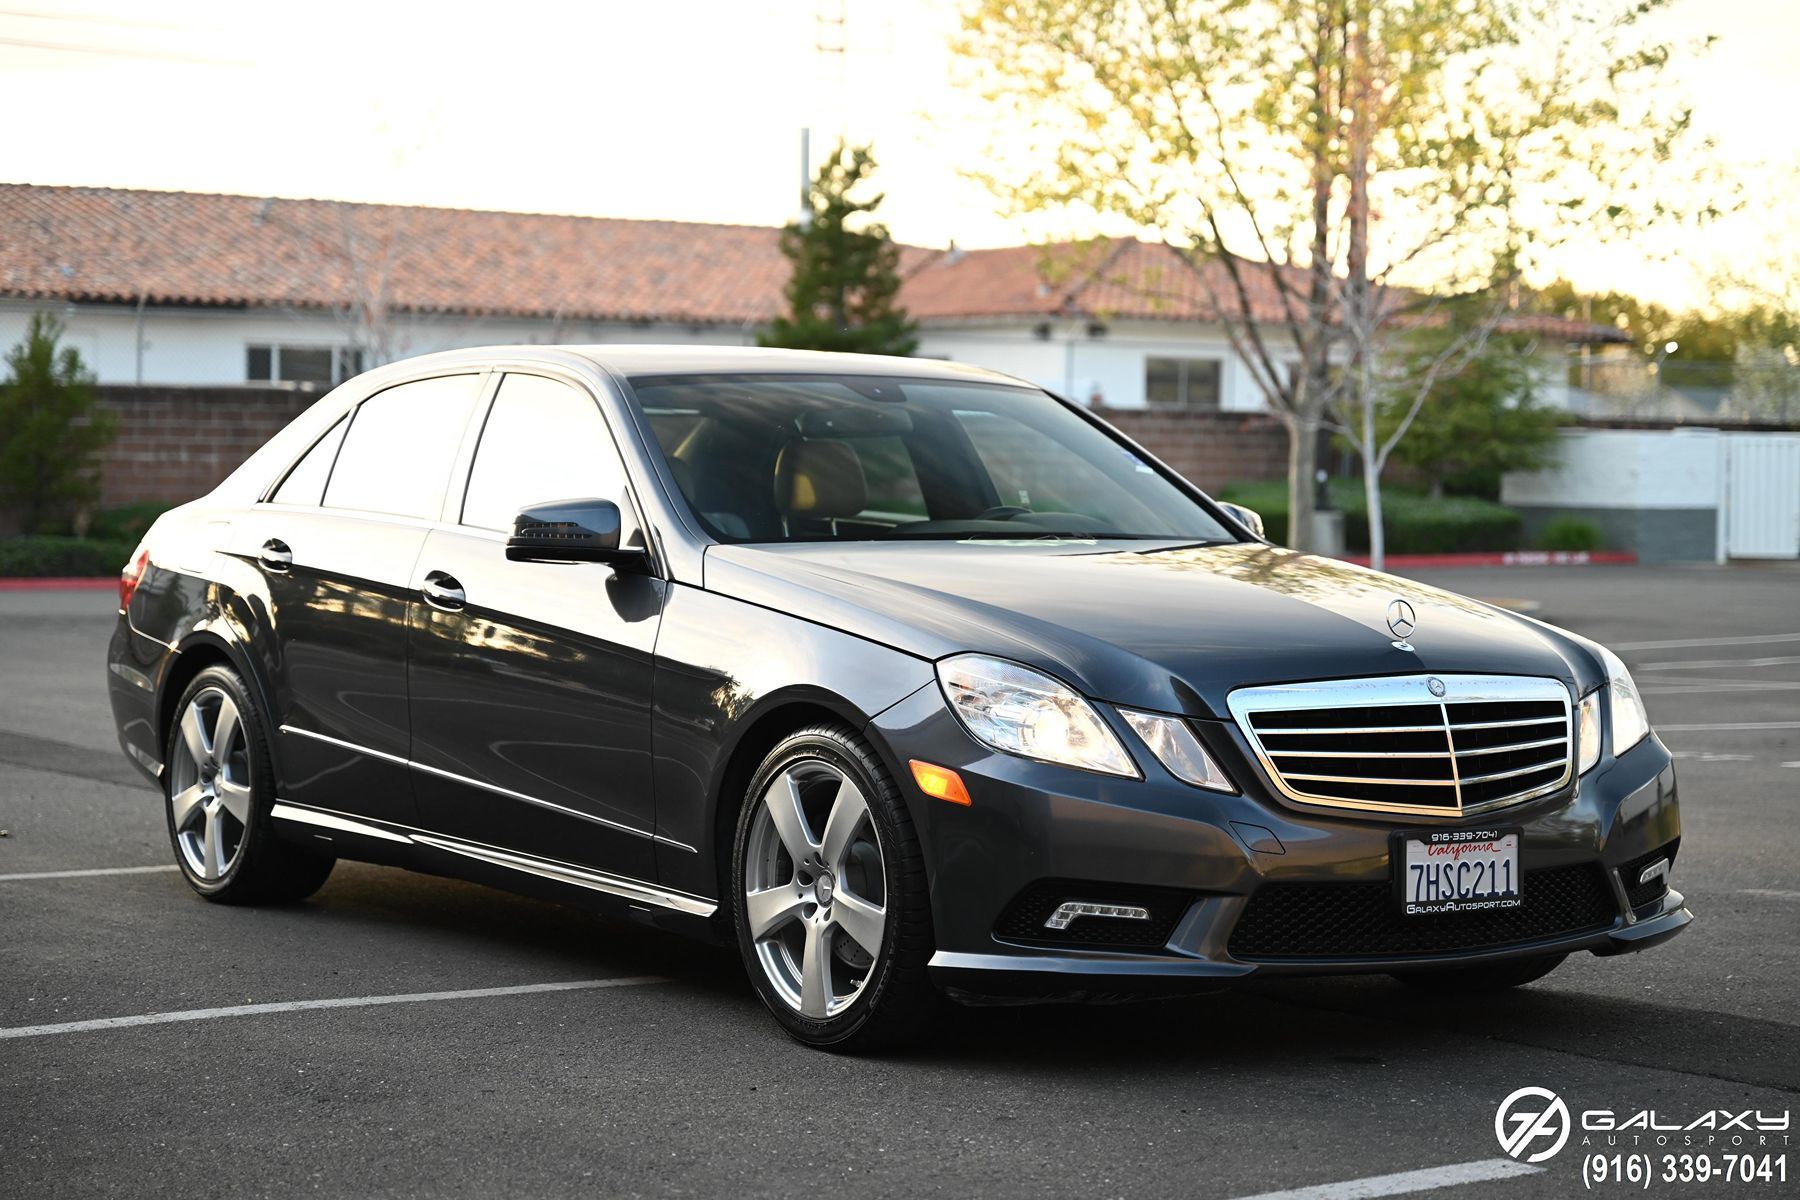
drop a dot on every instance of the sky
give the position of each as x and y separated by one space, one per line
680 109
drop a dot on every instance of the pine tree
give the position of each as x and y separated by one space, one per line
844 293
51 433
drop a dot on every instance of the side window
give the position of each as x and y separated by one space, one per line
396 457
305 484
543 440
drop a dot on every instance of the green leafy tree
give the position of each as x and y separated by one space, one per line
51 431
1327 167
1476 423
844 293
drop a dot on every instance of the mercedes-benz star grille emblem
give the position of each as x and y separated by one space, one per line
1435 686
1401 621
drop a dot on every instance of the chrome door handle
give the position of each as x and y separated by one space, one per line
275 555
442 591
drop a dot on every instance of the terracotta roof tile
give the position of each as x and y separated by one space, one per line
191 248
117 245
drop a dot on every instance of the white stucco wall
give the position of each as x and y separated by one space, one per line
1627 469
208 346
1077 364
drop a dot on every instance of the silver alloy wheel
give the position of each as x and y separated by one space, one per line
815 888
209 784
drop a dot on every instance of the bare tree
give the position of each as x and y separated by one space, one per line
1309 159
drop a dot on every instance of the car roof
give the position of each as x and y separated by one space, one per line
636 360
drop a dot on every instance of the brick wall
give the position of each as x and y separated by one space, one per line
175 443
1210 448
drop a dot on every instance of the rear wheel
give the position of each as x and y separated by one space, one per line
830 899
1487 977
218 787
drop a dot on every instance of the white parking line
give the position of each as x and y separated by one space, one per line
1482 1171
88 871
1707 664
1771 893
1754 639
1661 728
287 1006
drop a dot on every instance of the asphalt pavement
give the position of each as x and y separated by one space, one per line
402 1037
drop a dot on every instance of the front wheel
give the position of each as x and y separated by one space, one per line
1487 977
831 909
218 787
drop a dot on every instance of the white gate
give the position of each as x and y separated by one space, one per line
1762 495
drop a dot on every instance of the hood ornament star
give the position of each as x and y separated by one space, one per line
1401 621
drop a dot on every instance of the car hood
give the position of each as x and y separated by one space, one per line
1154 625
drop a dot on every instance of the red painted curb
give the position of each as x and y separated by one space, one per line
83 584
1508 558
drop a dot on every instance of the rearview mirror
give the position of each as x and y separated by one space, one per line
568 531
1247 517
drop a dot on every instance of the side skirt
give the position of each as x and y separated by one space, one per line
419 849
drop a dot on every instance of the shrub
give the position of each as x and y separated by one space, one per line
127 523
1570 533
1415 524
50 556
51 431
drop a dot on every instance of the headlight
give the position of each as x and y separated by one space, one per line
1624 710
1630 723
1587 732
1176 747
1024 712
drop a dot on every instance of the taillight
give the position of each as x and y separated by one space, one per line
131 576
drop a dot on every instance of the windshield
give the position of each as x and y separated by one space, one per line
785 458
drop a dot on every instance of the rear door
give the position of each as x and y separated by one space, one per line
530 682
337 543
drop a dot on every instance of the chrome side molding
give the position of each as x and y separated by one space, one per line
617 885
494 789
328 820
561 872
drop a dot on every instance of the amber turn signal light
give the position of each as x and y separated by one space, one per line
940 782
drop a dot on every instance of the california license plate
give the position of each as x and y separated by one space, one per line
1458 870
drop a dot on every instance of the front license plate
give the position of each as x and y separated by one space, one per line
1459 870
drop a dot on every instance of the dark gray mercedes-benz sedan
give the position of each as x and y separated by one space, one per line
907 678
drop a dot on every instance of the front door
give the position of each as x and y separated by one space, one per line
530 682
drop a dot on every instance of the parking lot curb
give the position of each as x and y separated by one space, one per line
1507 558
59 584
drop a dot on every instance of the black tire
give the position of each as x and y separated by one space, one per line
1487 977
263 869
897 998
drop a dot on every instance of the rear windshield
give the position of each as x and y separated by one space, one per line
782 458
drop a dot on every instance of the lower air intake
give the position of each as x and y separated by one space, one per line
1286 921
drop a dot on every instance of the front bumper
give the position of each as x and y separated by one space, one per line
1209 854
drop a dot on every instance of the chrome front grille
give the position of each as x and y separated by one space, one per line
1476 742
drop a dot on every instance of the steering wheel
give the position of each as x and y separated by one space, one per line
1002 512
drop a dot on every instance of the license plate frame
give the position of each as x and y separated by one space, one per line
1504 842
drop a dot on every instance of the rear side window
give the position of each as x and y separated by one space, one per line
396 458
543 440
305 484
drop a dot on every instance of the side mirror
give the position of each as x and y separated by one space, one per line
568 531
1247 517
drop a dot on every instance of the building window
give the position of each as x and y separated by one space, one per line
1182 382
322 365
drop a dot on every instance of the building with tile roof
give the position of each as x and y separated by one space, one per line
192 288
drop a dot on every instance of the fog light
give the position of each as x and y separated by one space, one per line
1068 910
